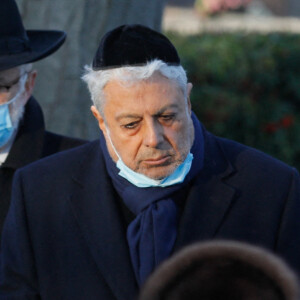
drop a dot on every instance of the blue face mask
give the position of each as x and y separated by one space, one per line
6 126
143 181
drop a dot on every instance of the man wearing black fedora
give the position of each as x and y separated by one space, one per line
23 138
95 221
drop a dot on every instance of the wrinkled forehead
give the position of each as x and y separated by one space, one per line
153 95
9 75
127 80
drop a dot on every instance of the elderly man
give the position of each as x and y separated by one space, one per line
94 222
23 138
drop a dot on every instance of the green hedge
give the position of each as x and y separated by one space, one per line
247 88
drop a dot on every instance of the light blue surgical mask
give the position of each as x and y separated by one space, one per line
6 126
143 181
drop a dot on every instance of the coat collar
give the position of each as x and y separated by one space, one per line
95 208
209 199
28 144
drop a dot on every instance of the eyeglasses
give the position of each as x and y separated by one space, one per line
5 88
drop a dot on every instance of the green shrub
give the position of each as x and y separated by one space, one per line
247 88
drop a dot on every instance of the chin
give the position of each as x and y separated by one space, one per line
158 173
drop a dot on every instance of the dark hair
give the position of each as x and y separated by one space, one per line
219 279
221 271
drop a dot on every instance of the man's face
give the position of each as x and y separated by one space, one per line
149 123
10 85
10 78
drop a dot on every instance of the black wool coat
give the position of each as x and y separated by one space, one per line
64 237
32 142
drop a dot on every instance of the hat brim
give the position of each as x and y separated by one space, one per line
42 43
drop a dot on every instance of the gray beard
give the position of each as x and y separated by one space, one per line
16 113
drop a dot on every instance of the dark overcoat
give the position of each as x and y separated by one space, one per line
64 238
31 143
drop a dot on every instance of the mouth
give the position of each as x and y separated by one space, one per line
162 160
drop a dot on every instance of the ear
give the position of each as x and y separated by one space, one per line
99 118
189 89
29 84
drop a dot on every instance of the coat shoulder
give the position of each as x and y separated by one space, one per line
55 143
63 162
246 158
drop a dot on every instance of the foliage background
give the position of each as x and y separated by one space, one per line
247 88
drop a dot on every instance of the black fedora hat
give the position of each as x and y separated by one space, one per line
19 46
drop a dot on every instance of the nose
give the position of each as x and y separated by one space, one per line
153 135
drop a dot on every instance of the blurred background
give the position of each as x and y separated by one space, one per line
242 56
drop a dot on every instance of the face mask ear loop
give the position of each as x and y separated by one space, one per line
20 91
108 135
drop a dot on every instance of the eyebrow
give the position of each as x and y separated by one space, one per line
3 81
163 109
127 116
136 116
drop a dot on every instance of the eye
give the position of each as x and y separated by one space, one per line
131 125
167 117
4 88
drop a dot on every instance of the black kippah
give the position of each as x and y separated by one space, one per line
133 45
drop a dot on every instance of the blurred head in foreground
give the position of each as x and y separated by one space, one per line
222 270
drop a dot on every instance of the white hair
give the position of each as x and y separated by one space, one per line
96 80
25 68
17 107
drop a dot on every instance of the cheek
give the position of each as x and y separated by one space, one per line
177 135
4 97
128 147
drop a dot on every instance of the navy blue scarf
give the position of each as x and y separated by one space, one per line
152 234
